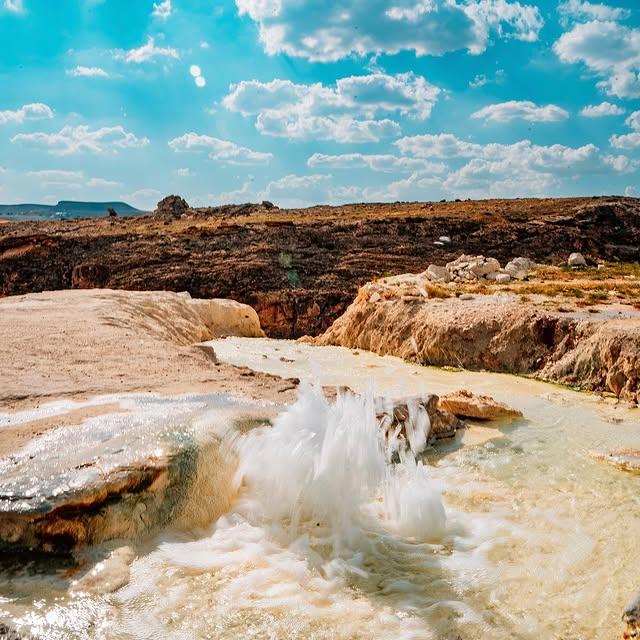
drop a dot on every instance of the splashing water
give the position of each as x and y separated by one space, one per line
521 537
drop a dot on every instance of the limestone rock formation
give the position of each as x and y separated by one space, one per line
465 404
497 332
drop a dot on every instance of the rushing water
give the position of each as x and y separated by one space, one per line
516 534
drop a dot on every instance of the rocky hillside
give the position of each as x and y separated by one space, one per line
300 269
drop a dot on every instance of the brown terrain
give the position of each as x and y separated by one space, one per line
300 269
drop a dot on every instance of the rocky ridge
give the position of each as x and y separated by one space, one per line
300 269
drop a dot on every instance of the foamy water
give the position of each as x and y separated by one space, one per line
523 536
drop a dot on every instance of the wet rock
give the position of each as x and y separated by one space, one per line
631 618
624 459
576 260
106 576
114 483
465 404
10 633
419 421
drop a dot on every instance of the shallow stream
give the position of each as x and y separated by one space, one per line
513 532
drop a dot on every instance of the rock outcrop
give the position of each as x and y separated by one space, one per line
416 421
172 206
495 332
465 404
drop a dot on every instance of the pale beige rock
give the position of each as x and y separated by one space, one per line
625 459
106 576
500 332
465 404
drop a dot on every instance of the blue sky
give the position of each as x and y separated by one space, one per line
308 101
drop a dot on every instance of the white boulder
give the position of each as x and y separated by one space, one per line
576 260
437 273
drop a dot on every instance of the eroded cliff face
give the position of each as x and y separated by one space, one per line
300 269
596 351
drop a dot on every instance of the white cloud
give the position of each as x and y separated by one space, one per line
521 168
608 49
57 175
629 140
385 163
147 52
324 31
344 113
87 72
183 172
71 140
480 80
521 110
583 10
14 6
101 182
631 192
162 9
601 110
33 111
633 121
220 150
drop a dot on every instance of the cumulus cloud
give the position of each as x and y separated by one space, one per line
33 111
322 31
583 10
521 168
162 9
385 163
82 138
521 110
146 53
344 113
601 110
628 140
609 50
87 72
219 150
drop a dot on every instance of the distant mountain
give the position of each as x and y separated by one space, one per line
65 209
